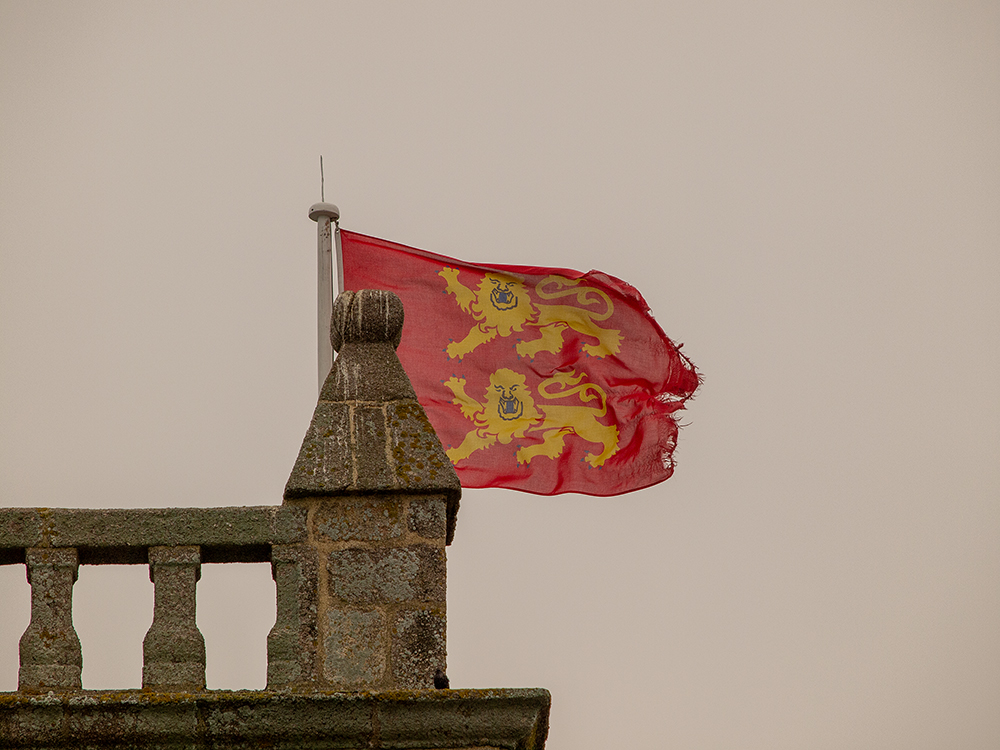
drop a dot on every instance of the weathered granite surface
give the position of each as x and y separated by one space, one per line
511 719
369 433
380 583
117 536
174 649
49 649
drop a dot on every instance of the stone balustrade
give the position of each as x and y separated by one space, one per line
173 542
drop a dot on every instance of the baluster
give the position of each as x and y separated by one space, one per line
173 651
289 651
50 648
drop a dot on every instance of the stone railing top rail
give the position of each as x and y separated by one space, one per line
120 536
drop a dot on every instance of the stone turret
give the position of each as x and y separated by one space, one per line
381 497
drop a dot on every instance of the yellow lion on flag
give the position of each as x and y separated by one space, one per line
510 412
501 305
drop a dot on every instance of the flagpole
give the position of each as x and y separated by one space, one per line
323 214
340 260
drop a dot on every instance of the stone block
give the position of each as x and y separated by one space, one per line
113 724
358 517
428 516
510 719
26 722
325 464
368 436
149 527
355 648
187 556
41 558
397 574
418 647
419 459
287 721
288 525
20 527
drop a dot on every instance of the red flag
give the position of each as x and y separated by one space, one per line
538 379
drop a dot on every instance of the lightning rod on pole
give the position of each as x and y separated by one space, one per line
323 214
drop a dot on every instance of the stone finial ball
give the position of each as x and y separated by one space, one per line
367 316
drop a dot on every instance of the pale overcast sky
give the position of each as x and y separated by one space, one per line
808 196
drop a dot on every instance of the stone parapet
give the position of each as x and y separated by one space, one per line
360 587
507 719
119 536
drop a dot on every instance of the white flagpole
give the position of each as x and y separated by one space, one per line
323 214
340 260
